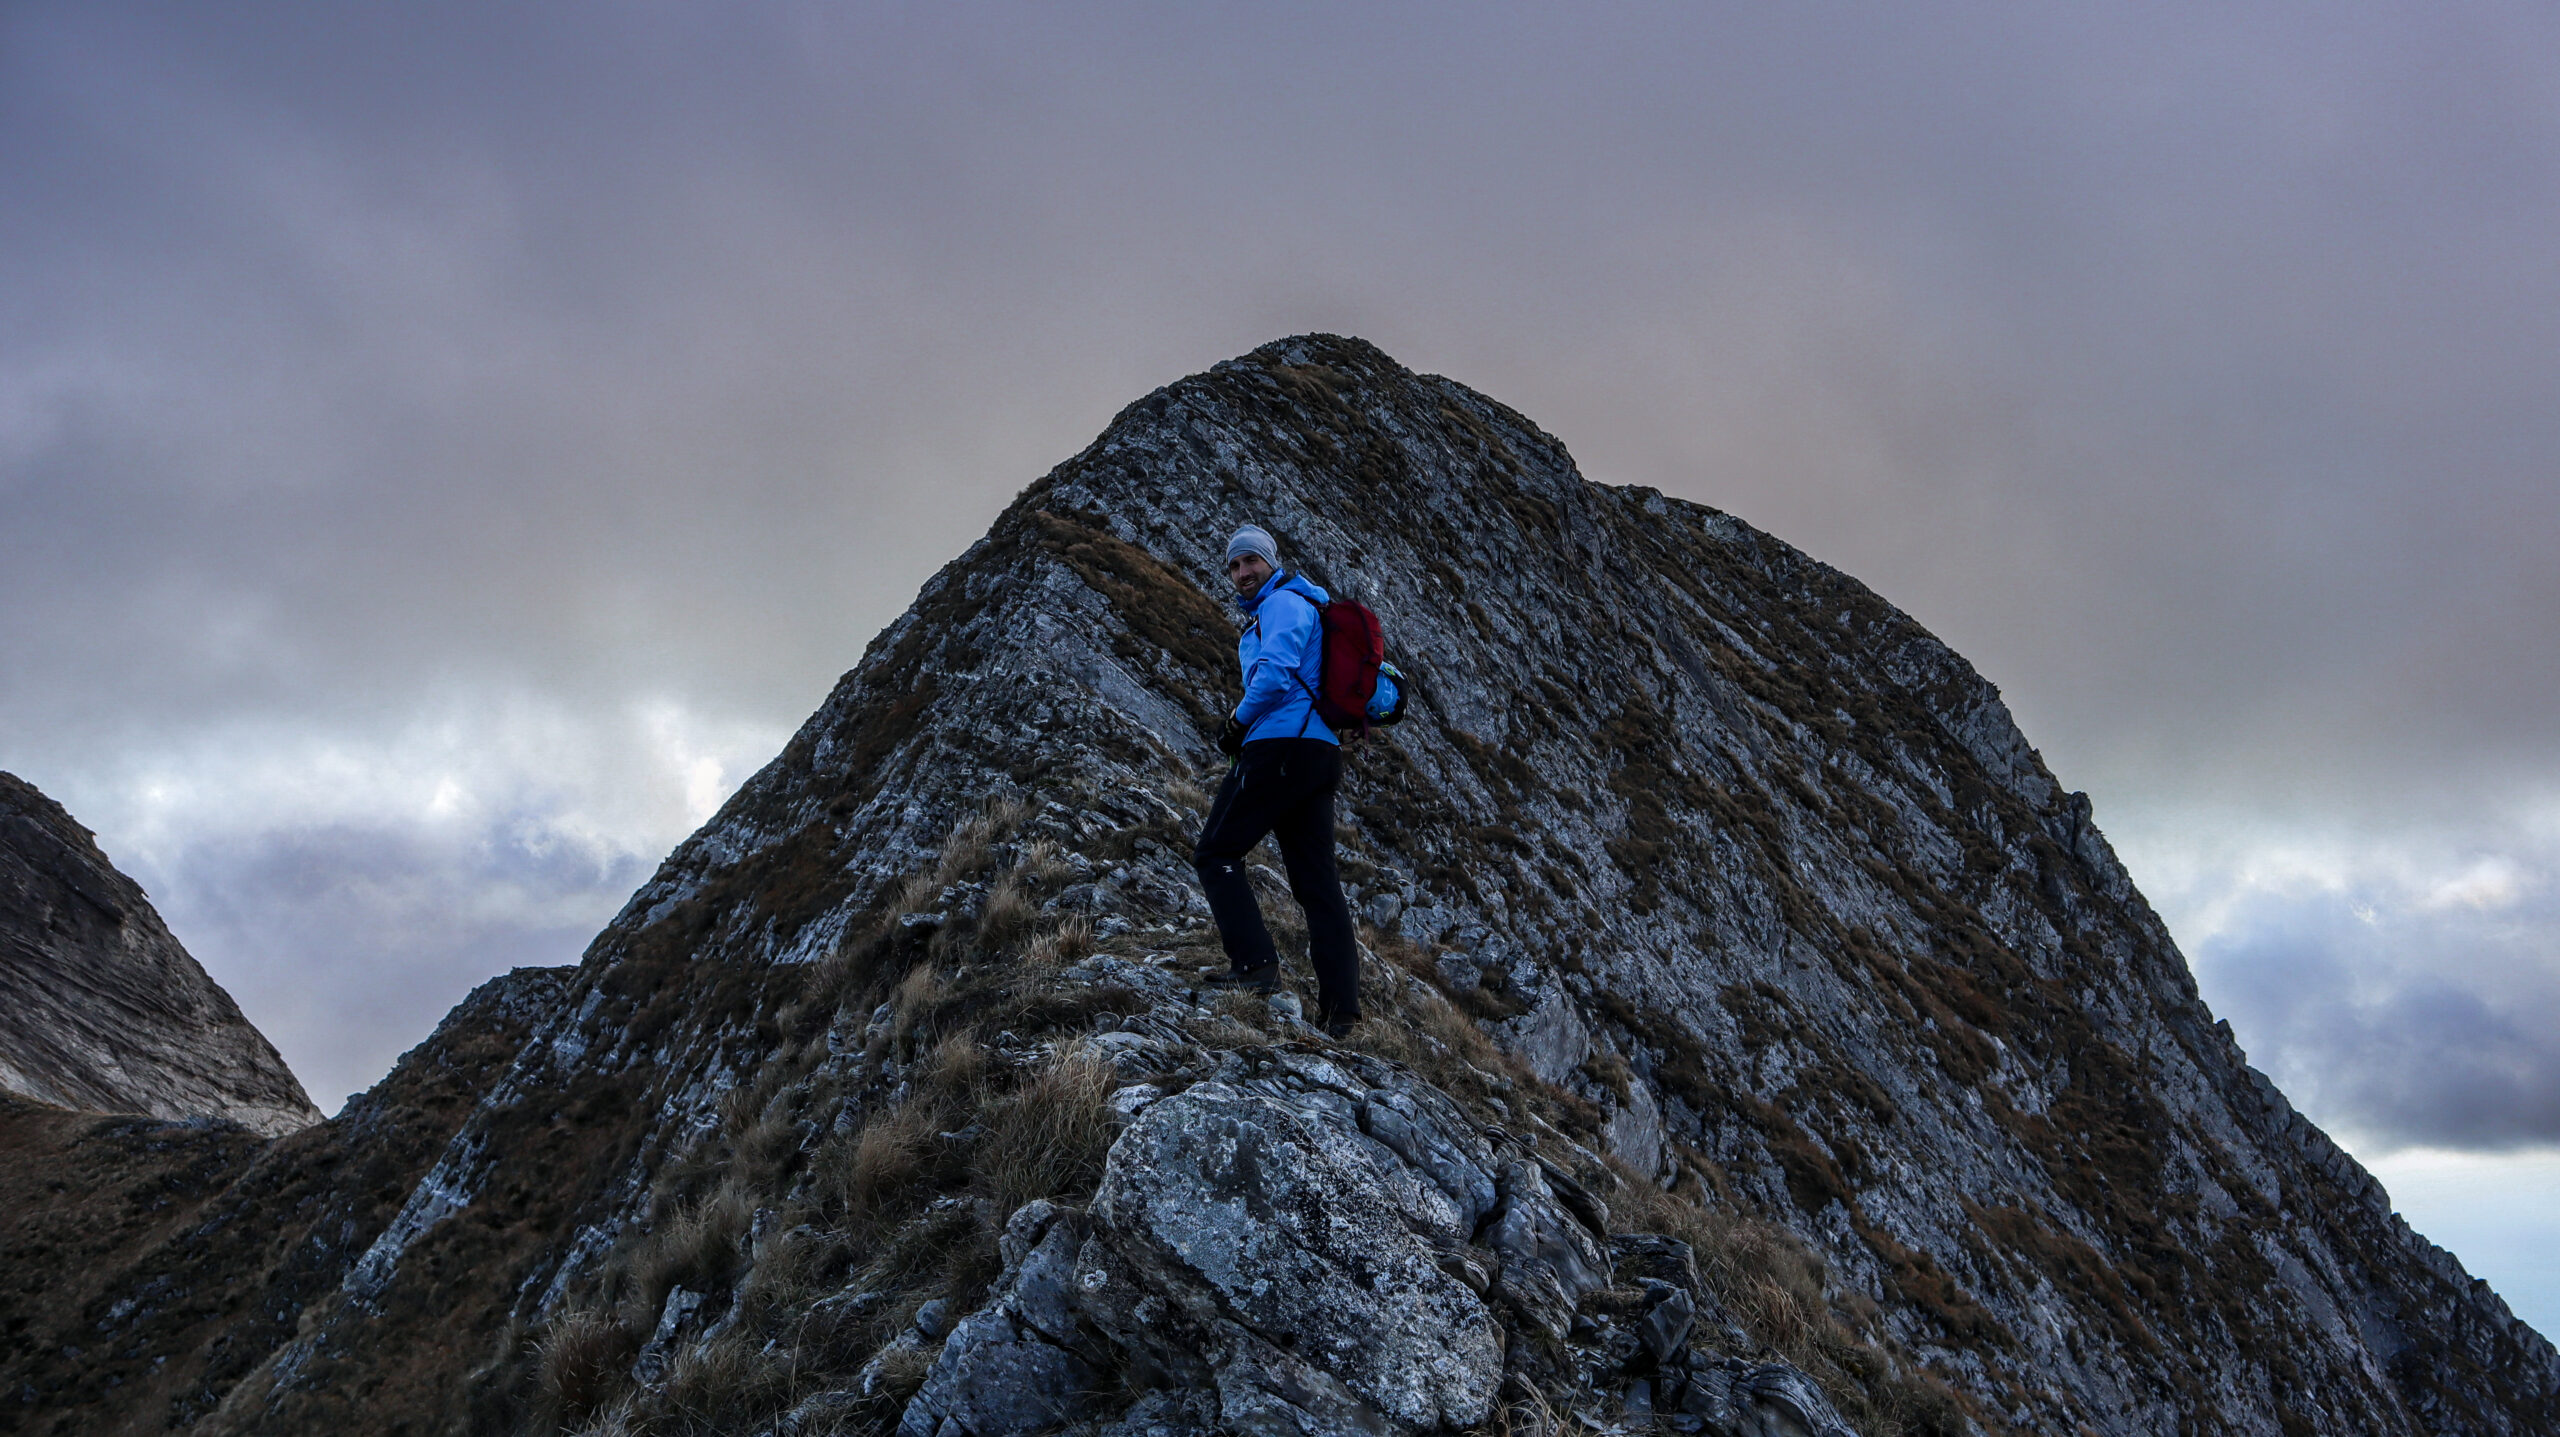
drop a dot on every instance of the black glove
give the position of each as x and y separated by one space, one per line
1231 738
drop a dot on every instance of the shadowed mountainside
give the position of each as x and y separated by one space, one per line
1760 1035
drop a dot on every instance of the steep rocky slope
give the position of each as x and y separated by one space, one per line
1761 1040
100 1009
146 1266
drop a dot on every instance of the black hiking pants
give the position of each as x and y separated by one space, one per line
1282 787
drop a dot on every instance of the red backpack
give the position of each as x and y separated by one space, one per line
1354 645
1356 688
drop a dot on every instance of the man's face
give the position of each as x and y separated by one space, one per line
1248 573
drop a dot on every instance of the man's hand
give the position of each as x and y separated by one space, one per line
1231 738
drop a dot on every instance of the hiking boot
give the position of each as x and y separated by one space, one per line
1338 1025
1265 979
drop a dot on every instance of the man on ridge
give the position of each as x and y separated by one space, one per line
1287 765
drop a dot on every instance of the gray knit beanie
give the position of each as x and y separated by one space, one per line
1254 539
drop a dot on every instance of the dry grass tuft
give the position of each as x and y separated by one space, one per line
620 1420
1070 940
1250 1009
1009 916
918 1258
970 850
910 1000
796 1269
1074 937
902 1374
1435 1015
1528 1413
861 1174
1417 1025
1918 1403
870 1179
1221 1031
1040 867
728 1384
770 1144
842 978
955 1072
743 1104
584 1361
696 1249
1768 1278
915 895
1048 1139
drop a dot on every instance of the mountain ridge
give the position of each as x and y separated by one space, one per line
1760 1030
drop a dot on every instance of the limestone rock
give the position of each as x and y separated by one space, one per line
100 1009
1734 1398
1261 1226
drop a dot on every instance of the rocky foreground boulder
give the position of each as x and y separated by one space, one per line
1761 1041
100 1009
1313 1241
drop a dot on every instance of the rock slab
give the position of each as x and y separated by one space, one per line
1307 1237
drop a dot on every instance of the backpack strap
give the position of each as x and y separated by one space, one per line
1313 701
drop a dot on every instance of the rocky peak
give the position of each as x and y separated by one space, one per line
100 1008
1761 1039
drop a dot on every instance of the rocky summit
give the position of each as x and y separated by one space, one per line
1760 1041
100 1008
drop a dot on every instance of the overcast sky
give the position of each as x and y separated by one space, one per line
444 448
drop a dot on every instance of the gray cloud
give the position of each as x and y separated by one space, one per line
393 397
2400 1004
349 886
347 942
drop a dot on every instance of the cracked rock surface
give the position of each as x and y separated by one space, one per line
1255 1218
1279 1241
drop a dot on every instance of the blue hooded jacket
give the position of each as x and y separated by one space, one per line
1282 652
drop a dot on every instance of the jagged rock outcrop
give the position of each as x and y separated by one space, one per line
1238 1224
1762 1040
1319 1243
100 1009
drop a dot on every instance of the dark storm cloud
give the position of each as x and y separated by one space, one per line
2401 1009
530 368
347 942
